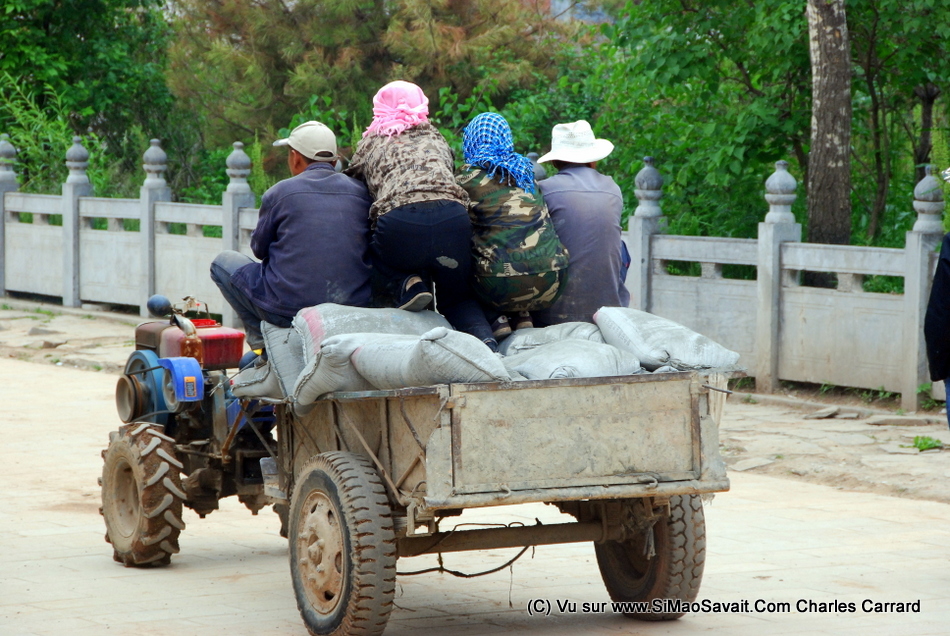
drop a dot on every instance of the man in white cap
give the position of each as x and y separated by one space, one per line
312 238
586 207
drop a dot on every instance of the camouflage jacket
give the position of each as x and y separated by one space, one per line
412 167
512 232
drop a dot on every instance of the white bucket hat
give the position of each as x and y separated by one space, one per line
575 143
313 140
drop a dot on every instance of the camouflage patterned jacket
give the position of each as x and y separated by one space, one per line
519 261
412 167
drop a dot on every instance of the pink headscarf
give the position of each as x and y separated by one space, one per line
397 106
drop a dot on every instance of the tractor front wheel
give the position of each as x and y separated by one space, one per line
142 495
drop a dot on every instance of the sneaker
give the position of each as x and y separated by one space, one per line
500 327
416 296
492 344
523 320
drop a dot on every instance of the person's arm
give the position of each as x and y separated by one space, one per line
266 231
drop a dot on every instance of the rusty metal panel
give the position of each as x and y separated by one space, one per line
563 435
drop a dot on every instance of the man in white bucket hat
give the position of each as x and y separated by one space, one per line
586 207
312 239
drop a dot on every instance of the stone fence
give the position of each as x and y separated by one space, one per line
120 251
783 329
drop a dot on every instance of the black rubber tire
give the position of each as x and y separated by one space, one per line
675 572
142 495
339 500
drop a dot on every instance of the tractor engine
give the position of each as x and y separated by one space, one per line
177 378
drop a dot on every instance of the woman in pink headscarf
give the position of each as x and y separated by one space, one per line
422 228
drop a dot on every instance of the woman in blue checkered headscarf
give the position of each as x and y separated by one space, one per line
519 262
488 144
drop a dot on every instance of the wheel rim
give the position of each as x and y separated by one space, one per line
125 505
320 553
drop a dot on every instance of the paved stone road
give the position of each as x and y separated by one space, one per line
772 540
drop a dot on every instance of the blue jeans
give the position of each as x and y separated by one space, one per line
222 269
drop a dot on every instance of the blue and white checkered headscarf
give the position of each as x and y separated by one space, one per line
487 143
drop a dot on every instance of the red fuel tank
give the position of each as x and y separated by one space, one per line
222 347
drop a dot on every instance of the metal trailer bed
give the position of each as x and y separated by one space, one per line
368 476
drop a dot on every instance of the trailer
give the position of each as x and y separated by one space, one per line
370 476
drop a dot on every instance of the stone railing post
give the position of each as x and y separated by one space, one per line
779 227
8 183
153 190
237 195
77 185
918 275
646 221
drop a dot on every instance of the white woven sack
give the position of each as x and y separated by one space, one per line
658 341
572 359
285 354
524 339
440 356
256 381
331 370
316 324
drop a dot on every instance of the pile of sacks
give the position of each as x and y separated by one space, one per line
337 348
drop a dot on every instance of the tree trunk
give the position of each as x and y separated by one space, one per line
878 142
829 161
928 94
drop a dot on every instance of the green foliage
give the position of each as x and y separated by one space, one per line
925 395
212 177
716 92
348 127
737 384
259 180
454 114
923 442
104 59
875 395
250 68
884 284
40 134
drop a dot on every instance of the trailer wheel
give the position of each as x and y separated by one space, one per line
342 546
142 495
674 572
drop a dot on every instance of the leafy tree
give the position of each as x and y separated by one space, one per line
899 51
251 68
104 58
716 91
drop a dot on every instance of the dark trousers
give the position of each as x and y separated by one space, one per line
222 269
433 240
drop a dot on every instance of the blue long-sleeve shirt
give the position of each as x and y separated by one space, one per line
586 208
312 237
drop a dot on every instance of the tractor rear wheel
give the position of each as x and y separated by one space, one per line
142 495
